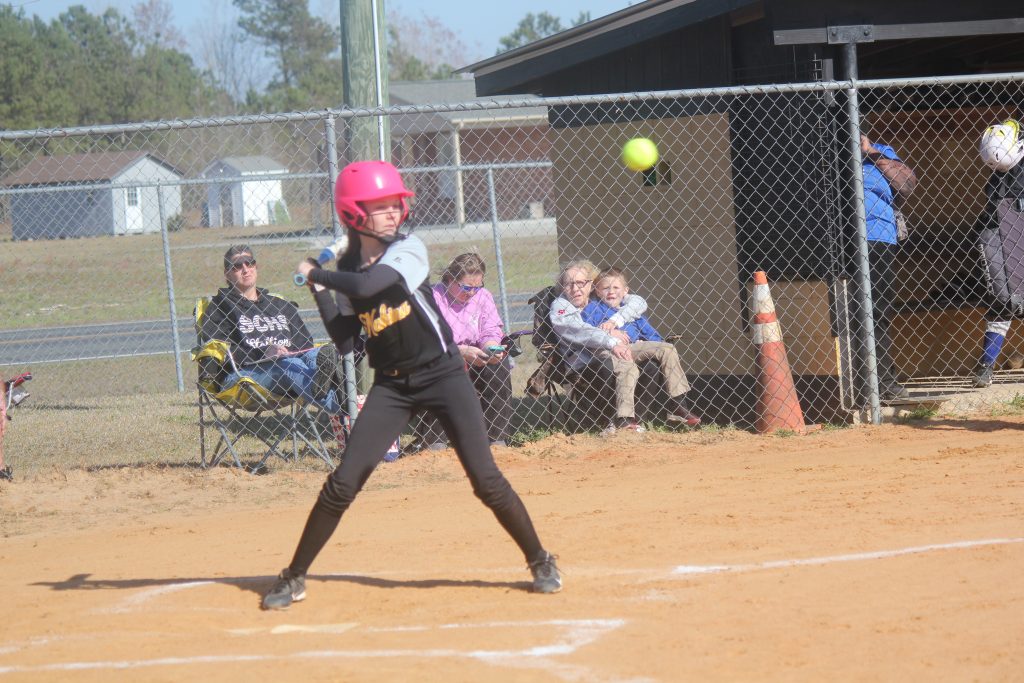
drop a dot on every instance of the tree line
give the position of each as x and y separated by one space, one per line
86 69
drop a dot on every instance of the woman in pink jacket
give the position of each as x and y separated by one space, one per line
469 310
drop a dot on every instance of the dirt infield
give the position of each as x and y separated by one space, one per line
869 553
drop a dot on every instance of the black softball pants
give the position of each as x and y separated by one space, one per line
881 259
493 384
442 387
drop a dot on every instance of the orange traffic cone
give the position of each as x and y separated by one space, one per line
777 404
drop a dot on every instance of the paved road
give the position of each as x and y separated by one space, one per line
144 338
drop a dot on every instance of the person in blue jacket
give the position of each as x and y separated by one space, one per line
887 183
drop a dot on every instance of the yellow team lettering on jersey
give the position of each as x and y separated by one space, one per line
375 322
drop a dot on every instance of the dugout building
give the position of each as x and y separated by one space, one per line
754 181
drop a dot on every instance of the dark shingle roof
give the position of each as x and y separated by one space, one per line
453 91
253 163
77 168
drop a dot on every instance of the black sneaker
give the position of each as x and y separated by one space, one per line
289 588
326 376
982 376
546 578
6 474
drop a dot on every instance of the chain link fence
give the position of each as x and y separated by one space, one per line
112 234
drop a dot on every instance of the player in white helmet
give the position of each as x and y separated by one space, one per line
1002 146
1002 149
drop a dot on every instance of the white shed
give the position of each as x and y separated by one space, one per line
244 191
96 193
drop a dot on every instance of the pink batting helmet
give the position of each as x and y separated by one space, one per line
363 181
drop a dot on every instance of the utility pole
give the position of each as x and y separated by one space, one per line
364 59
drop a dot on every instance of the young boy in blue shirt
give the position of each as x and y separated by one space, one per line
645 343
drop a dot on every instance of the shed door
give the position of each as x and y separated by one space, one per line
132 210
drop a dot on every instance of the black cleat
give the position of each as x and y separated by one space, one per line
982 376
546 578
287 589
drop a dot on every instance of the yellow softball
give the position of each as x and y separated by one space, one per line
639 154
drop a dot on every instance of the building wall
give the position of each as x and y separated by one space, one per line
684 260
694 56
145 171
53 215
515 189
256 197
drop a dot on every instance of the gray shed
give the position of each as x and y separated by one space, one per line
245 191
98 193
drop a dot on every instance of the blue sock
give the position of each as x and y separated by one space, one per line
993 344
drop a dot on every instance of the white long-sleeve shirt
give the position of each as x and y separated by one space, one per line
578 339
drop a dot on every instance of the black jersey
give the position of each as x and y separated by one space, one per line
252 326
403 327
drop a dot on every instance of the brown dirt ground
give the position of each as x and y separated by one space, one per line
155 574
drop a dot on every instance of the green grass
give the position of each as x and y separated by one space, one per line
523 437
717 430
918 414
57 383
114 279
1014 406
80 432
127 412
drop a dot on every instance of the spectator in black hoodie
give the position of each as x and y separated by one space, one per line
269 341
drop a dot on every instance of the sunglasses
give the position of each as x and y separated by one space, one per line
468 289
237 265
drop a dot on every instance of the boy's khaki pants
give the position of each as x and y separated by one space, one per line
628 372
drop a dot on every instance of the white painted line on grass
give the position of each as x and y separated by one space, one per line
690 570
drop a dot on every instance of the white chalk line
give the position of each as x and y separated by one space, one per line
575 634
582 632
690 570
134 601
294 628
139 599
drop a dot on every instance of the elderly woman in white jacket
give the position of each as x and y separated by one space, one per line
580 343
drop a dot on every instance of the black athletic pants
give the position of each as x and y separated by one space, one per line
442 387
493 384
881 258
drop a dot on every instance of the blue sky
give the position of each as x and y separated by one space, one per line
479 23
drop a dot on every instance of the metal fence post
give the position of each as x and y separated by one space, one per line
866 314
502 293
176 340
348 360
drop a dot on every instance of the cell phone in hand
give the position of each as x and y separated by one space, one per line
494 349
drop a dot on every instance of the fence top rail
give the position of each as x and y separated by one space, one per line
502 104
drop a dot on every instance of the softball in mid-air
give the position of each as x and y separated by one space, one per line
639 154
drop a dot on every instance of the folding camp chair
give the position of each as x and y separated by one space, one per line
588 392
591 391
247 409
